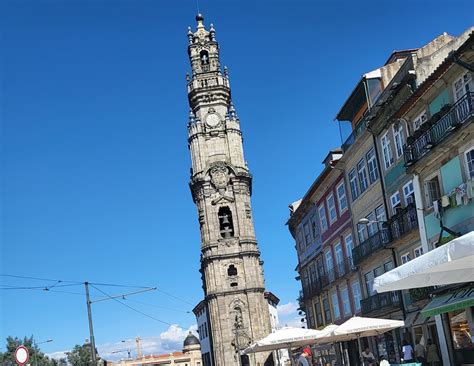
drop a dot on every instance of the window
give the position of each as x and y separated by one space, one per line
322 217
319 314
395 202
380 214
432 191
314 227
346 305
372 165
386 151
372 226
339 254
349 245
388 266
341 196
327 311
331 208
369 283
362 232
329 262
419 120
399 138
353 184
362 173
232 271
335 305
406 258
356 294
300 241
469 157
462 86
408 193
418 251
307 233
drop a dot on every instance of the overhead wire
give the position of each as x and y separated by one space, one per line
158 306
130 307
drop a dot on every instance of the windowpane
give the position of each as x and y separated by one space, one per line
322 217
331 208
372 165
329 262
349 245
418 251
369 282
327 311
362 173
339 255
353 184
380 214
372 225
395 202
406 258
356 294
387 151
335 305
470 163
399 138
408 193
307 233
432 191
419 120
346 305
362 231
341 197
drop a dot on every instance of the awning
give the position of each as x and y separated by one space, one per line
410 319
456 300
450 263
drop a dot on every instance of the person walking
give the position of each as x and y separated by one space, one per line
420 354
407 351
432 354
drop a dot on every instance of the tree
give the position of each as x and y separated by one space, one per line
80 355
36 356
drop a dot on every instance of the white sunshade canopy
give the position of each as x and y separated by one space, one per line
450 263
287 337
357 327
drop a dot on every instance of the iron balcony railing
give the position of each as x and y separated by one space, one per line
378 302
441 125
403 222
371 245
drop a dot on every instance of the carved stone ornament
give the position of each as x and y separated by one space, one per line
219 175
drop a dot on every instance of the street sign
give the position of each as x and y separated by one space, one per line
22 355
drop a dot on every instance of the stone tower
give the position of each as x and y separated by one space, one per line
221 185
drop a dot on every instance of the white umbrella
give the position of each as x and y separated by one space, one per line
284 338
448 264
357 327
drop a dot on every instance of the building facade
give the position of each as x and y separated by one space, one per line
221 185
408 169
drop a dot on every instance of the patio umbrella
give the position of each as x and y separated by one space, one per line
287 337
357 327
447 264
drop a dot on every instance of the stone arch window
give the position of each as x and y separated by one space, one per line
231 270
204 56
226 225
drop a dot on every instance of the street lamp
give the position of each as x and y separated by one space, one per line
36 345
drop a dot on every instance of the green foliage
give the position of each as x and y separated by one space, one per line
80 355
36 356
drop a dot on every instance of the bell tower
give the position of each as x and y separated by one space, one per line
221 186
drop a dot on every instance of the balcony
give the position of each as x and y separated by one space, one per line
354 135
440 126
379 302
373 244
403 222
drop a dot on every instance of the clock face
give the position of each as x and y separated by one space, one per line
212 120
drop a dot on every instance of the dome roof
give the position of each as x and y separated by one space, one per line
191 340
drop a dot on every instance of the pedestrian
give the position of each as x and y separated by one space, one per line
302 359
309 356
383 361
407 351
420 354
367 357
432 354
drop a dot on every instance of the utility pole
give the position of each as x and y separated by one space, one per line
91 329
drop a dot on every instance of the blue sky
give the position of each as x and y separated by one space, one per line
95 165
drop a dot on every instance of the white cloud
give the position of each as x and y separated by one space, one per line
57 355
171 340
287 309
